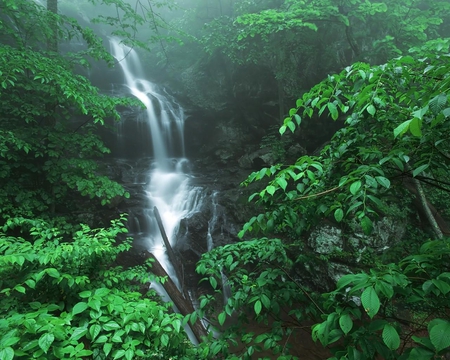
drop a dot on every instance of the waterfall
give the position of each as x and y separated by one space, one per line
167 184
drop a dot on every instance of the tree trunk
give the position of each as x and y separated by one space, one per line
429 215
172 257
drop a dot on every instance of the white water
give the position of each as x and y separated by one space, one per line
168 186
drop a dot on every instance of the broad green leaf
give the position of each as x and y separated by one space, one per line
354 188
346 323
53 273
370 301
420 113
415 127
79 308
257 307
333 110
371 110
78 333
176 325
418 353
213 282
119 354
129 354
107 348
111 325
164 339
101 292
271 189
385 182
282 182
391 337
94 331
222 316
339 214
402 128
85 294
418 170
440 335
438 103
45 341
291 126
7 353
367 225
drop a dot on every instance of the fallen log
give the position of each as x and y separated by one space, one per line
170 252
183 304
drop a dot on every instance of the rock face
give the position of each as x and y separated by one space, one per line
339 252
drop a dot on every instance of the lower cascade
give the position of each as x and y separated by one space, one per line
167 182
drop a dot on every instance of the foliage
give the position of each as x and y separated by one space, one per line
394 125
394 131
287 35
365 309
258 273
63 293
46 156
68 300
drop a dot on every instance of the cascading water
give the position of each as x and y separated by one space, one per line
168 187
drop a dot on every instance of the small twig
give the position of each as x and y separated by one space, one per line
318 194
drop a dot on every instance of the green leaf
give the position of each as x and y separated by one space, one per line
391 337
402 128
346 323
440 335
367 225
257 307
370 301
339 214
107 348
79 308
282 182
418 353
265 300
111 325
94 331
420 113
119 354
7 354
45 341
85 294
271 189
438 103
291 126
176 325
78 333
53 273
420 169
371 110
333 110
383 181
416 127
222 316
354 188
129 354
20 289
164 339
213 282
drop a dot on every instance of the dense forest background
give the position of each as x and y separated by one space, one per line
338 113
